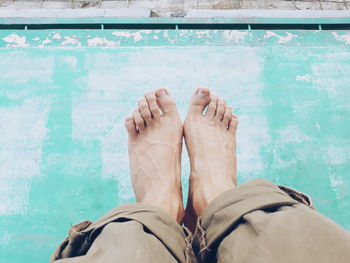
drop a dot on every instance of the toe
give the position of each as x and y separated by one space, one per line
130 127
227 116
144 110
152 104
233 123
199 100
165 101
212 106
139 121
220 110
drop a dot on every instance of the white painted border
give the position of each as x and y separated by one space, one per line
145 13
248 13
75 13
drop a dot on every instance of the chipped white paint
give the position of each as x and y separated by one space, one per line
44 42
281 39
102 41
122 33
15 40
305 77
203 34
70 41
57 36
166 34
234 35
136 35
344 38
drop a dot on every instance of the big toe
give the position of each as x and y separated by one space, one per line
165 101
199 100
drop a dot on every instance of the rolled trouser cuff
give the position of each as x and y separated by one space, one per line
158 222
224 212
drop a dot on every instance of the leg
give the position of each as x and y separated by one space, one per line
255 222
211 145
148 231
261 222
155 144
129 233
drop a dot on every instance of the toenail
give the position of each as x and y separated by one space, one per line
148 94
203 93
162 92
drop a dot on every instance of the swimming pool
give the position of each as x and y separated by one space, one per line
65 91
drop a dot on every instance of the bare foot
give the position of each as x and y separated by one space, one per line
155 143
211 145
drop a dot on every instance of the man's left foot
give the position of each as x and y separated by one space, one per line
155 144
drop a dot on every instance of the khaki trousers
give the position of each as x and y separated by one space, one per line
255 222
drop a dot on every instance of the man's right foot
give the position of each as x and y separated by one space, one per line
155 144
211 145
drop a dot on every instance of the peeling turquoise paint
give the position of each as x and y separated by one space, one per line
156 38
65 93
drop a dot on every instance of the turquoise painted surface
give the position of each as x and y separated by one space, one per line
64 95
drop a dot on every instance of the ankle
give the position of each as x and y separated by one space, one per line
171 204
212 193
207 193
